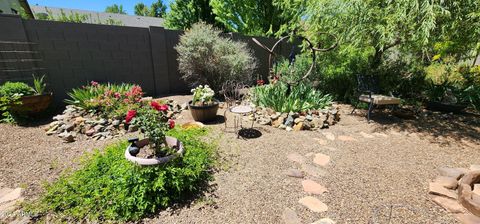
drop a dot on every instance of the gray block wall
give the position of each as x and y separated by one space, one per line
73 54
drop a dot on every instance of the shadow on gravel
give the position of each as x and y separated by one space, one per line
459 127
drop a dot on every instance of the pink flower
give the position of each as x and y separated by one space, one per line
260 82
171 123
117 95
93 83
130 115
163 107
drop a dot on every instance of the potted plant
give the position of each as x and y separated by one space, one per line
203 107
155 148
25 99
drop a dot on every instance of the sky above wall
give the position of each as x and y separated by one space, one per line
94 5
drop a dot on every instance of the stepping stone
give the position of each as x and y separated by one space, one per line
294 173
296 157
290 217
10 206
313 171
448 204
329 136
474 167
313 204
380 134
4 191
309 154
365 135
456 173
321 141
447 182
437 189
467 218
476 189
321 159
12 195
324 221
313 187
346 138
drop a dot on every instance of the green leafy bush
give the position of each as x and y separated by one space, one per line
111 100
301 97
108 187
16 88
205 57
39 84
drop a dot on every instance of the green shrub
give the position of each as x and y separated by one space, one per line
16 88
301 97
205 57
39 84
108 187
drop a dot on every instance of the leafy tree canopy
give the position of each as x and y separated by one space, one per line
115 9
251 17
184 13
157 9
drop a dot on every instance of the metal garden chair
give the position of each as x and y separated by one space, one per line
235 102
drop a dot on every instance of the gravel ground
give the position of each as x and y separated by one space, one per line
364 177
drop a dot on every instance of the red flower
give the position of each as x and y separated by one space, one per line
260 82
130 115
171 123
155 105
93 83
117 95
163 107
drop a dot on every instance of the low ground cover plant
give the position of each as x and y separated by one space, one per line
109 100
107 187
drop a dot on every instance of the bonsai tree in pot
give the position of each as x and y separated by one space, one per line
203 106
156 148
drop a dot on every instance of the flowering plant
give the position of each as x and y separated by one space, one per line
202 95
153 123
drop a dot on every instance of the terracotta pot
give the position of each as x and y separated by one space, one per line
171 142
204 113
33 104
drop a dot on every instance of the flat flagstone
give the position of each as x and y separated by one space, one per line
321 159
365 135
296 157
437 189
448 204
447 182
324 221
313 204
313 187
474 167
4 191
467 218
12 195
329 135
313 171
294 173
380 134
346 138
456 173
290 217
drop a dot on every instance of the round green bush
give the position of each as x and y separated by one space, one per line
19 88
108 187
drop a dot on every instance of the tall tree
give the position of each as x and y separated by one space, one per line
184 13
252 17
157 9
115 9
141 9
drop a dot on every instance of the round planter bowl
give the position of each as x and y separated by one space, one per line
33 104
171 142
204 113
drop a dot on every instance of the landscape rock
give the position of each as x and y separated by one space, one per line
67 136
116 123
467 218
448 204
296 157
313 187
437 189
289 122
321 159
456 173
313 204
324 221
447 182
279 121
298 126
294 173
290 217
